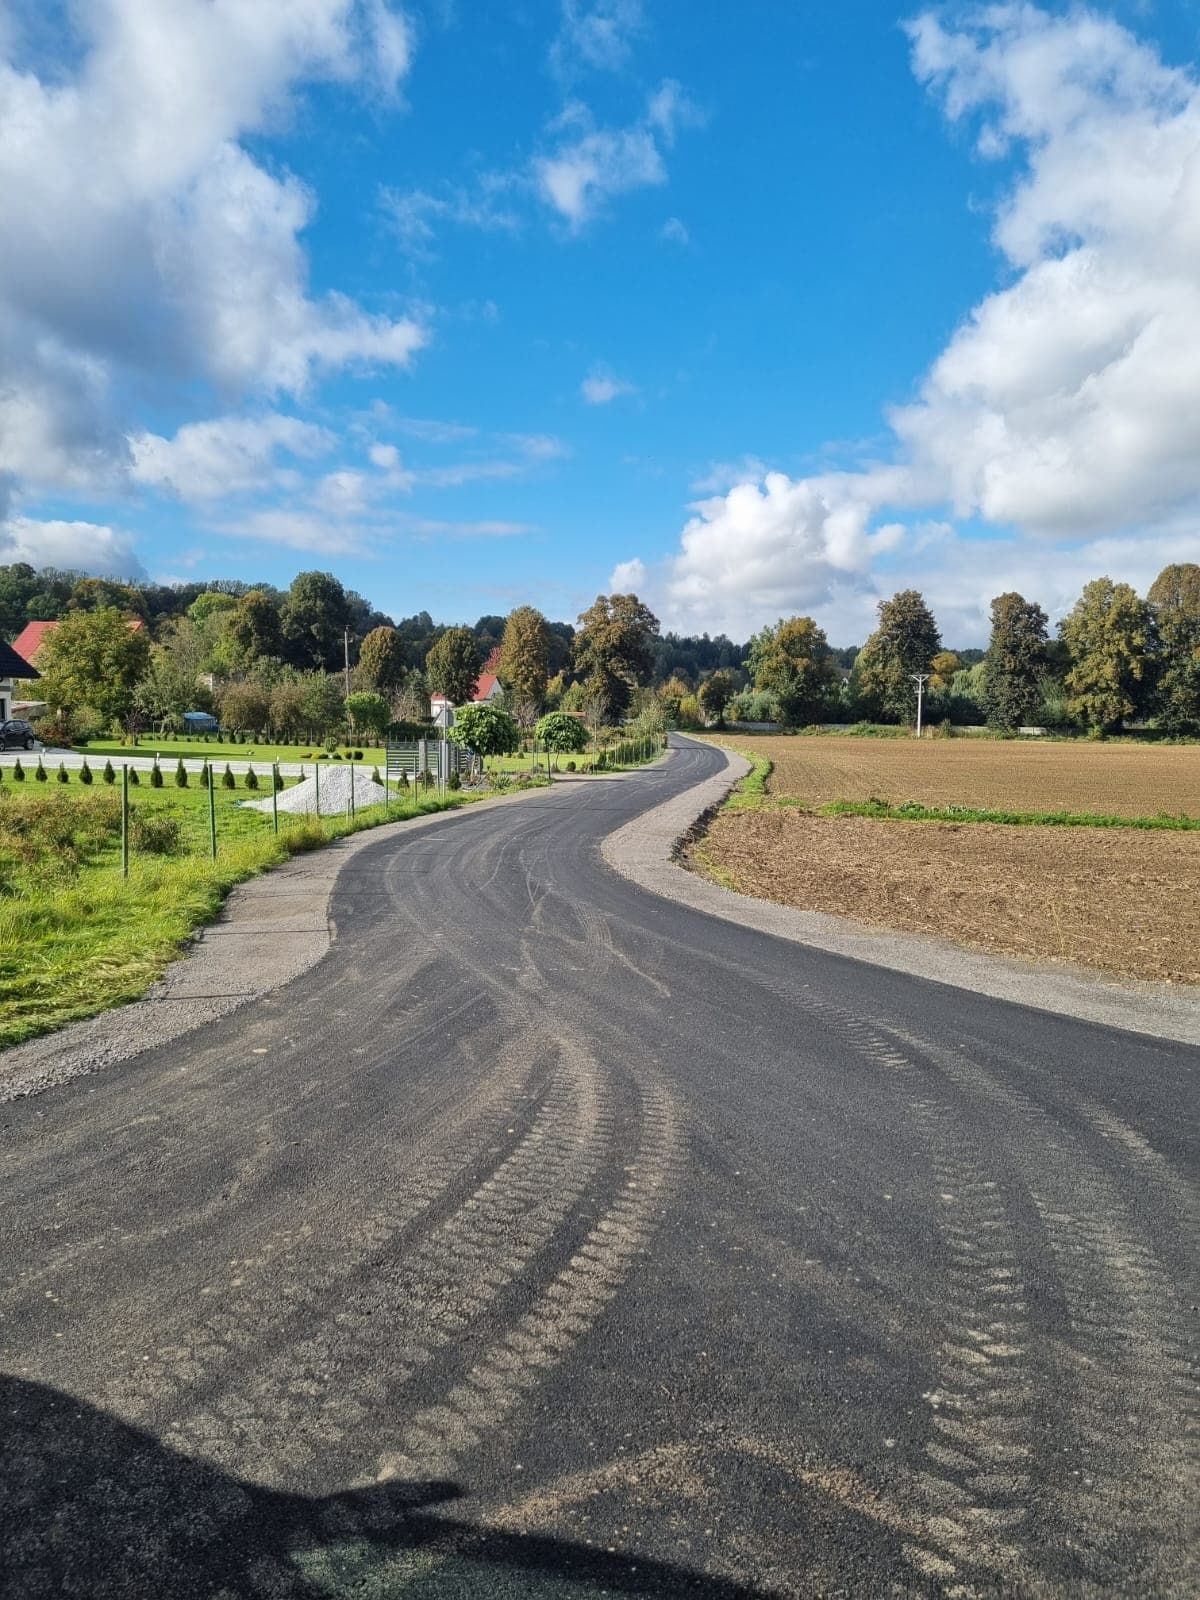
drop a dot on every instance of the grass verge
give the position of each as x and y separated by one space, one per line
76 938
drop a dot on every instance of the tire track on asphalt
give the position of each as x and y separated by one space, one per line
1122 1384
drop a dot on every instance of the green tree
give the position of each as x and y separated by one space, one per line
245 707
314 616
324 705
614 649
1015 663
93 658
368 712
487 730
715 694
381 662
793 663
452 666
1175 598
211 603
525 655
253 628
904 643
286 698
561 732
1110 637
671 695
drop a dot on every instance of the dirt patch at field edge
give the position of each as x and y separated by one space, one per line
1125 903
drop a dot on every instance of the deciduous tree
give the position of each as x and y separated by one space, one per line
1016 662
1110 637
368 712
561 732
792 662
381 662
715 694
253 628
487 730
452 666
614 649
93 658
525 655
904 643
1175 599
314 617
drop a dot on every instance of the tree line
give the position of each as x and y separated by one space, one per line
317 659
1116 658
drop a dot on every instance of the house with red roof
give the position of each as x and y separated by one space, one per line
33 636
487 687
13 666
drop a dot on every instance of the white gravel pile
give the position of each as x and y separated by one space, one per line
301 798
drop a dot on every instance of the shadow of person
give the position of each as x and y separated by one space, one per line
90 1506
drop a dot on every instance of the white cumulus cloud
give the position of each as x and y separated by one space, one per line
223 455
1063 412
601 386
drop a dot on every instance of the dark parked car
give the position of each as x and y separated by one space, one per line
16 735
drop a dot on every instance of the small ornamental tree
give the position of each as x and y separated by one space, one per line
109 774
487 730
228 781
181 777
85 772
62 773
251 778
156 777
368 712
40 773
18 771
133 777
278 777
562 733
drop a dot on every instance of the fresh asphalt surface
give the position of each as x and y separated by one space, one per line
552 1239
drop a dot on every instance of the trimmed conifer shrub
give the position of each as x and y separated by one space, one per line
40 771
61 774
156 777
134 779
18 771
109 774
181 774
251 778
85 772
228 781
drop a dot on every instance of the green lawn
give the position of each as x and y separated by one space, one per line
76 937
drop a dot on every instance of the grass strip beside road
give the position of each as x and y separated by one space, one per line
910 811
76 942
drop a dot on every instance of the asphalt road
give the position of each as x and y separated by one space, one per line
552 1239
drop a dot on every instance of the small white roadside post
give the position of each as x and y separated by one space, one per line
920 679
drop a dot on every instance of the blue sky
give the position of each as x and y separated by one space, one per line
760 309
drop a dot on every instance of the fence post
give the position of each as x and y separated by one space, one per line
317 781
352 807
124 819
212 814
275 795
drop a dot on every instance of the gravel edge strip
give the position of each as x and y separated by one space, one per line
646 851
271 930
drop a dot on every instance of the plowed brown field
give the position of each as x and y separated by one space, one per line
1121 900
1119 779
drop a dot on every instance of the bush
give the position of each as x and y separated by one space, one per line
18 771
358 755
228 781
251 778
181 776
154 833
85 772
62 773
454 781
278 777
402 782
40 773
570 766
109 774
375 775
134 779
156 777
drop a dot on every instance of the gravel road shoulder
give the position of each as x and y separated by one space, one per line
646 852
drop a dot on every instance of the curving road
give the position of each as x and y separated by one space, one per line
552 1239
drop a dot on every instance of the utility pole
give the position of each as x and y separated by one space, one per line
346 657
920 679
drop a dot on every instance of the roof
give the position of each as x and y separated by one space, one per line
484 685
33 636
13 665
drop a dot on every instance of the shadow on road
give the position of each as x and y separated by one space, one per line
90 1506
